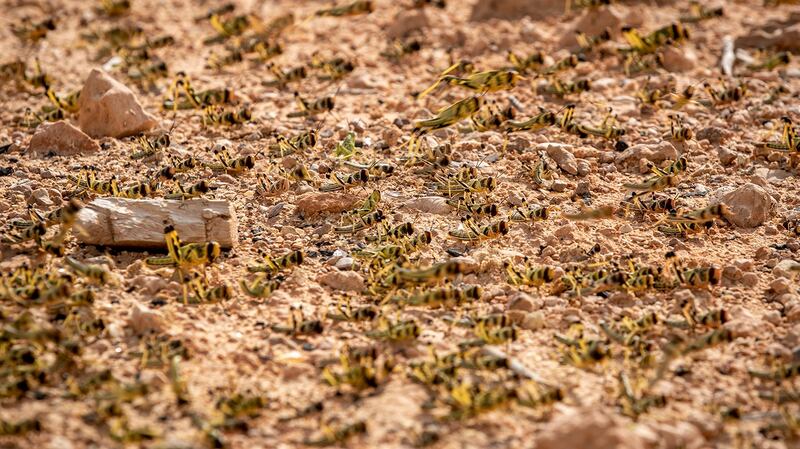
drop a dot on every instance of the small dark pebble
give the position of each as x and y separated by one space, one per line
620 145
6 171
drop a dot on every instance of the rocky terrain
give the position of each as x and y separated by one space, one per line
621 272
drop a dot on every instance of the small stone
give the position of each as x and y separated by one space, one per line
726 155
750 279
515 9
62 139
784 268
148 285
750 205
407 21
559 185
311 204
109 108
654 153
625 229
584 167
565 232
348 281
143 320
587 428
345 263
429 204
732 273
561 154
521 301
714 134
41 197
780 286
681 59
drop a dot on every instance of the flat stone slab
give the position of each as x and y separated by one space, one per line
122 222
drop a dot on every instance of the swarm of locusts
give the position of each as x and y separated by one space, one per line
496 233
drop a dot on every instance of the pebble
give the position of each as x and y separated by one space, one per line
314 203
407 21
143 320
429 204
750 205
522 301
587 428
348 281
655 153
783 268
780 286
109 108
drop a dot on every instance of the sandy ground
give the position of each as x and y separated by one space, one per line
231 346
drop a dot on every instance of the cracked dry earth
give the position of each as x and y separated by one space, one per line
139 367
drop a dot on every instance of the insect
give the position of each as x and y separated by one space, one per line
299 325
777 60
68 103
589 43
150 146
453 186
716 211
203 293
566 63
29 32
433 274
654 184
569 5
231 165
358 7
562 89
443 296
529 275
446 117
397 49
529 213
700 277
219 115
402 330
472 232
346 312
342 182
678 132
187 255
538 122
532 62
482 82
275 265
698 13
344 433
261 287
218 61
633 404
361 223
310 108
282 78
725 94
606 130
592 214
193 191
298 143
33 232
93 272
672 34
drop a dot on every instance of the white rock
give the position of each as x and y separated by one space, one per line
121 222
143 320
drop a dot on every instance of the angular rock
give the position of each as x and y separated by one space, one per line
121 222
654 153
516 9
348 281
596 20
62 139
562 156
714 134
681 59
314 203
750 205
406 22
429 204
143 320
109 108
588 428
787 38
